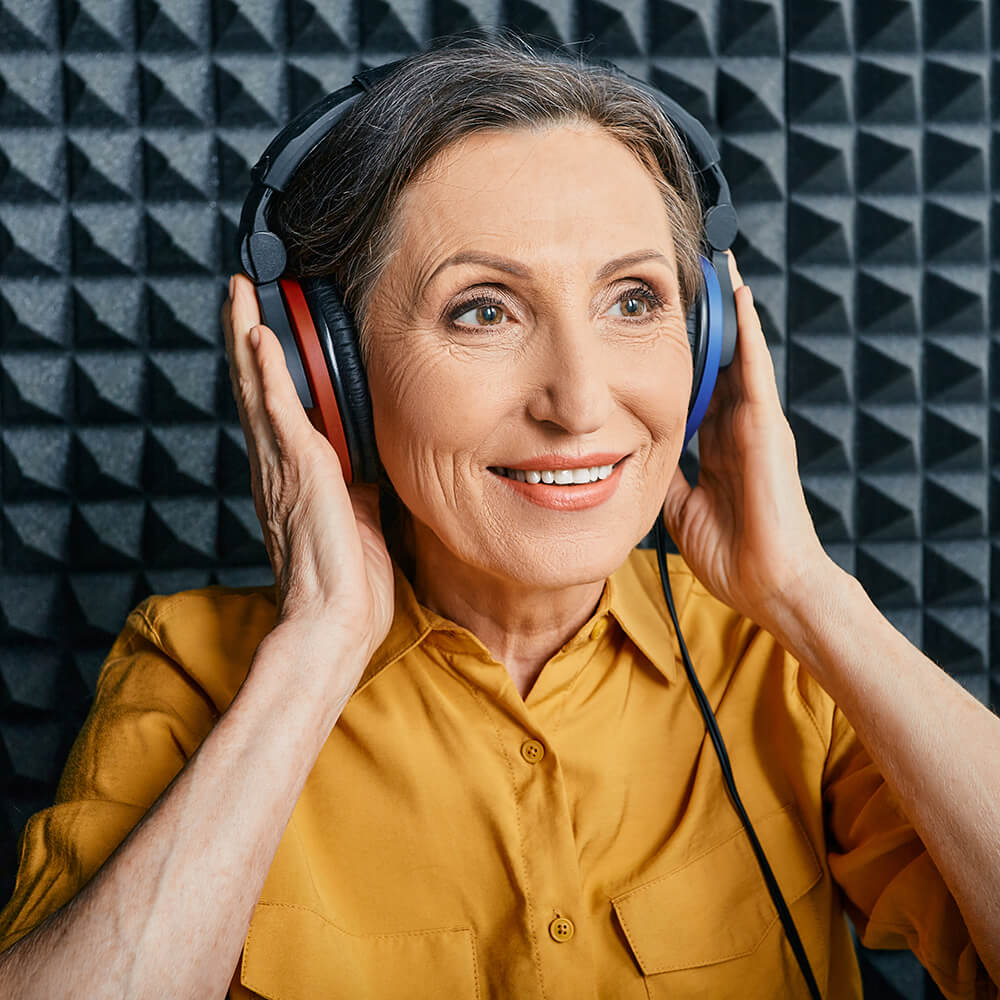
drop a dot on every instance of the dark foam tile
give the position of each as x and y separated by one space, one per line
680 28
888 369
314 27
171 26
825 434
889 438
891 573
954 438
181 532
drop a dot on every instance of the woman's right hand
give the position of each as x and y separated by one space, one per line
323 538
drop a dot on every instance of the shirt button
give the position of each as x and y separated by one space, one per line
561 929
532 751
600 627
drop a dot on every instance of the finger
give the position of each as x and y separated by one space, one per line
243 383
291 429
756 364
243 368
734 273
245 314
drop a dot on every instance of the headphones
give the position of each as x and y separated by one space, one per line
317 332
321 349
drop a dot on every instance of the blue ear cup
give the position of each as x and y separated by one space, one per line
707 329
711 330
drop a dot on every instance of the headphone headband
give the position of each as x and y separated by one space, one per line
263 254
264 258
720 221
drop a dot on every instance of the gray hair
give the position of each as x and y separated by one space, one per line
337 214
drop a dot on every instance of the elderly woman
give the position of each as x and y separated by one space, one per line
466 763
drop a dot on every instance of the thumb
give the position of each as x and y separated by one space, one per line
677 496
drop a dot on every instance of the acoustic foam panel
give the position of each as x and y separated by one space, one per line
862 143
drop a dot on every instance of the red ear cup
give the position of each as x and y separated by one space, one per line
338 338
325 414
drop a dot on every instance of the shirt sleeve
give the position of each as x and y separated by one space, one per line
147 719
894 893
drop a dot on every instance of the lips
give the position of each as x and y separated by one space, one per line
566 498
554 462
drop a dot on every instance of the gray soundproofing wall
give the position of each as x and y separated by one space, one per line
862 142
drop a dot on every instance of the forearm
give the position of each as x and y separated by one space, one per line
173 903
937 747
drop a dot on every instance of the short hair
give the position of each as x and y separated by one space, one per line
337 217
337 214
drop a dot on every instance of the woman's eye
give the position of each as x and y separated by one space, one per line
485 311
638 302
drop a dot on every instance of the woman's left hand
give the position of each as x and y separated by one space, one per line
745 530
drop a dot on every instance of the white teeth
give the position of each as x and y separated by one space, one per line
561 477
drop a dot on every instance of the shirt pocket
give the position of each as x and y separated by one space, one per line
294 953
698 930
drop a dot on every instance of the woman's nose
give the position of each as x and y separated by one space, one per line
572 380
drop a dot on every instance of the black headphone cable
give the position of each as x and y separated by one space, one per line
727 773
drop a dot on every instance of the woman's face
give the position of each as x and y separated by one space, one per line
550 349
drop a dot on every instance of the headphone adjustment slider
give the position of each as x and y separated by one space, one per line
258 172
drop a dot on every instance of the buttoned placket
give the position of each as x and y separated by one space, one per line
552 884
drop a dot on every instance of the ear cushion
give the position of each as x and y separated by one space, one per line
697 325
705 331
301 347
337 336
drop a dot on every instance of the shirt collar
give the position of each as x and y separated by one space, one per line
638 604
632 595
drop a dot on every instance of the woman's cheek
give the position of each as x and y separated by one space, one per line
658 393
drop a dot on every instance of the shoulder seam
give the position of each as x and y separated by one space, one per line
154 632
171 601
157 640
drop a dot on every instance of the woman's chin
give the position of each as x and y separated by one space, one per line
561 563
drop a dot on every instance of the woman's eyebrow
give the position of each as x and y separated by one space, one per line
513 267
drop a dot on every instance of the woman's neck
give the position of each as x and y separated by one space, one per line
522 627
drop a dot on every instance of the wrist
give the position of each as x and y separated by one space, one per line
817 600
313 659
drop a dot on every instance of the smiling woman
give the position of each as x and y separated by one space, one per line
553 341
451 752
584 164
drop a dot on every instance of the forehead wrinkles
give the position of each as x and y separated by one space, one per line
433 222
436 218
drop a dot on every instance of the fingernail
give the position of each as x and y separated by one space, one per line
254 337
232 281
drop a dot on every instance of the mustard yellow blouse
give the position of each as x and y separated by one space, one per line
455 841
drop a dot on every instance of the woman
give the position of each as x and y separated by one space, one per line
474 769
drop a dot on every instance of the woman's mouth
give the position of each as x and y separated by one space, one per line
559 477
564 489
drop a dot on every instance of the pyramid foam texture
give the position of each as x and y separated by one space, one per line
862 144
